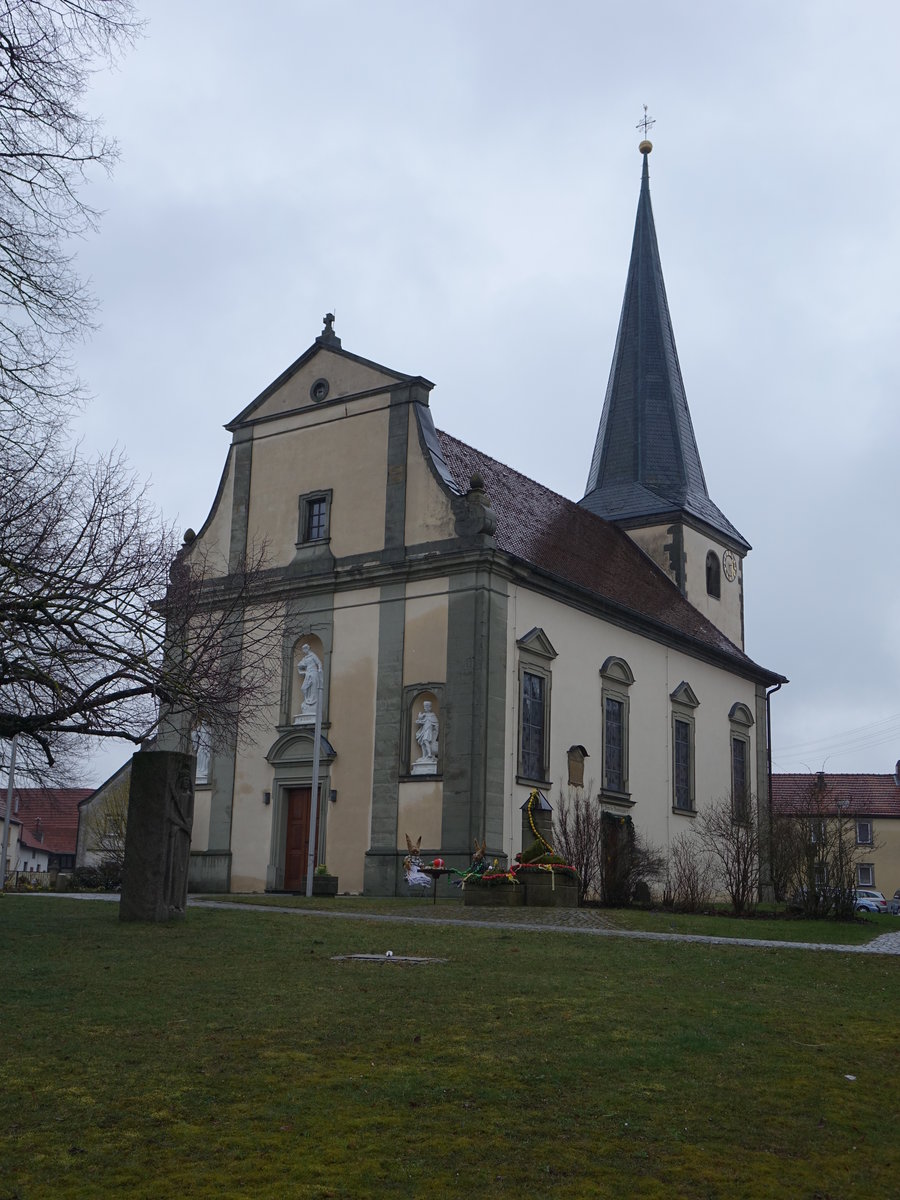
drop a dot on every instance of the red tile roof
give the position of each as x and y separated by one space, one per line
49 816
868 795
566 541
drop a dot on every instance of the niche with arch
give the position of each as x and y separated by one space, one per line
423 731
307 649
713 575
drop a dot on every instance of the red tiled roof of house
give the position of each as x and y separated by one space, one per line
49 816
867 795
557 536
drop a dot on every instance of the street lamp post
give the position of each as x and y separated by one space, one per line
9 799
314 800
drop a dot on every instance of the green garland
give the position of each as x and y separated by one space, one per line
480 872
534 829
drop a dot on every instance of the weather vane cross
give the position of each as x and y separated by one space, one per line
646 123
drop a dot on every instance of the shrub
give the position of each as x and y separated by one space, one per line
690 874
733 845
612 860
105 877
579 839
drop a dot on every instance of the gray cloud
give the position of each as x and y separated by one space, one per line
459 182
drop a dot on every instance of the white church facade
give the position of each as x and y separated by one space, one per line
475 635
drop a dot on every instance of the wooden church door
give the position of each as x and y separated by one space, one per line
296 851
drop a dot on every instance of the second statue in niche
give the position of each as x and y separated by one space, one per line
309 668
427 729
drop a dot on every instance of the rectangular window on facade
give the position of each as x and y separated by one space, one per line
316 518
864 833
820 874
740 780
614 745
532 725
683 764
865 875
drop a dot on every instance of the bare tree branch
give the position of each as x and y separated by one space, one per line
101 622
48 50
815 855
103 625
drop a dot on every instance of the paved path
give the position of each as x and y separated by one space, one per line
559 920
550 920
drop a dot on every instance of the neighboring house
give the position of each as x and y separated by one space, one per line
15 829
102 818
871 802
473 634
47 828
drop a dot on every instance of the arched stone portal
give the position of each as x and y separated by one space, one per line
291 758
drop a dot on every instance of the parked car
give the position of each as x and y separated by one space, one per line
894 905
868 900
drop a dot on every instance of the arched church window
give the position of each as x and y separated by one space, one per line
713 575
617 678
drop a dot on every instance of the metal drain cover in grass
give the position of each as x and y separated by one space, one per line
390 957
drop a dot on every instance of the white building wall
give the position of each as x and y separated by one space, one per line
583 643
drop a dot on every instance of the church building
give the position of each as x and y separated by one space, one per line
469 634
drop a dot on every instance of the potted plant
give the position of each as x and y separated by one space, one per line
324 884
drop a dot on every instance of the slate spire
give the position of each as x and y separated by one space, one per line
646 463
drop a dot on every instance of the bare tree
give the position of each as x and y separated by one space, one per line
577 832
731 838
98 635
690 874
102 624
815 855
612 859
106 823
48 49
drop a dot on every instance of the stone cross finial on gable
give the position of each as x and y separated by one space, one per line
328 337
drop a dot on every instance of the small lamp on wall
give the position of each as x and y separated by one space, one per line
267 797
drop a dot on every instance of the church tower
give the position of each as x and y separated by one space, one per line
646 474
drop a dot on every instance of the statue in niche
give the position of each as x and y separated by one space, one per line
201 742
427 729
309 668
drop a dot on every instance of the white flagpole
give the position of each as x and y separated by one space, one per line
9 799
314 799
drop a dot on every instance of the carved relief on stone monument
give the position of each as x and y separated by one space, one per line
201 742
179 820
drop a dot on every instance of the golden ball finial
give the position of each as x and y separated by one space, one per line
645 147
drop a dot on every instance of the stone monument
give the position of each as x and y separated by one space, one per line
158 836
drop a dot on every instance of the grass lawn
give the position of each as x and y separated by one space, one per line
229 1056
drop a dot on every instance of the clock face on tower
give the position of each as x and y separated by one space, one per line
729 563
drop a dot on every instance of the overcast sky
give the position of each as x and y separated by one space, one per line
458 181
